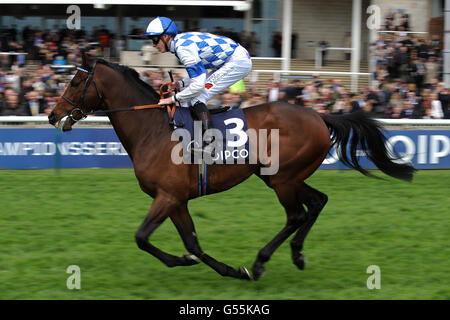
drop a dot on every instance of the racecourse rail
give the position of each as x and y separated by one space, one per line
32 143
99 119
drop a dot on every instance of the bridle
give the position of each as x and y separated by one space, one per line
78 107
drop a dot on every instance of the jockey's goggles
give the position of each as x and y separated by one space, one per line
155 38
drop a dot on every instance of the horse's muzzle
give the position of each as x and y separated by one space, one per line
55 120
52 119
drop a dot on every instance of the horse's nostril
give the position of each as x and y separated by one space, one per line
52 118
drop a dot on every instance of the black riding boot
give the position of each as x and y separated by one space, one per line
202 113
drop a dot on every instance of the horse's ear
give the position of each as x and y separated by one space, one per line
85 58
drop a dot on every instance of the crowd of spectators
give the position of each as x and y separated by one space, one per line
397 20
408 71
33 90
411 59
26 91
393 99
408 74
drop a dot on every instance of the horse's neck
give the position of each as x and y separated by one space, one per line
135 128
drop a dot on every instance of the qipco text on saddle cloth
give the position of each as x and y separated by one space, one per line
236 147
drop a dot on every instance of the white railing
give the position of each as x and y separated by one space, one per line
403 32
40 119
318 54
97 119
156 66
425 122
267 58
179 66
12 53
254 73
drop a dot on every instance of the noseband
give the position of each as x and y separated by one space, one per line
78 107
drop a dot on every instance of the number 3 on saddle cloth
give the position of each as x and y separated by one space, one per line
231 141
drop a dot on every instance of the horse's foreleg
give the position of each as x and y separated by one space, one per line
159 211
185 226
295 216
314 201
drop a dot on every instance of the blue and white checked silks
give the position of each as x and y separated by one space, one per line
201 51
212 62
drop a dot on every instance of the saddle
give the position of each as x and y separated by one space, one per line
219 110
231 127
164 93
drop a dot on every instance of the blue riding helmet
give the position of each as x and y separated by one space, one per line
160 26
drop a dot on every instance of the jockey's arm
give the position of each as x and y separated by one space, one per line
194 88
183 83
193 85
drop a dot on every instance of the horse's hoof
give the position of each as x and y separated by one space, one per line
300 262
258 272
191 259
244 273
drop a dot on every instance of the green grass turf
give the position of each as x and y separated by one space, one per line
88 218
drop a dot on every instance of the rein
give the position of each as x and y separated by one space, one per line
170 110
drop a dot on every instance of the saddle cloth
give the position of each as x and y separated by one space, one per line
233 147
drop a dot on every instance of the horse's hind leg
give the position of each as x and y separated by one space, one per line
185 226
314 200
296 215
159 211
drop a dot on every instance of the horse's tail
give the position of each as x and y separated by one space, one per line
366 134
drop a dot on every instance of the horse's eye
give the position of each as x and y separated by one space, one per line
74 83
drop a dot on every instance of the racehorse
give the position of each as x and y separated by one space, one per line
304 141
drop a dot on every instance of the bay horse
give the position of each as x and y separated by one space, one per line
304 142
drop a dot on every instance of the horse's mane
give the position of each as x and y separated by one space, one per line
132 77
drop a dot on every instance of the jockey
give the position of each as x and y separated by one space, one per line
212 62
